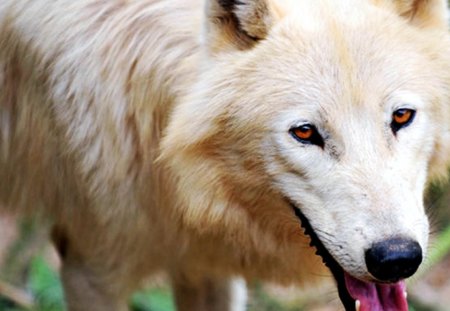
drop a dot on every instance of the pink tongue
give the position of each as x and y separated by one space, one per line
377 297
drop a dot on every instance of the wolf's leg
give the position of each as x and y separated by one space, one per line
210 295
84 292
87 287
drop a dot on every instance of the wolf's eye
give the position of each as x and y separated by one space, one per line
402 118
307 134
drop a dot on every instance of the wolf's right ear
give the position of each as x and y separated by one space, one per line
238 24
422 13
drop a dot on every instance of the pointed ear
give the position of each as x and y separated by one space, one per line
423 13
238 24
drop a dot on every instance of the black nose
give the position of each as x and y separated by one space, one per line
393 259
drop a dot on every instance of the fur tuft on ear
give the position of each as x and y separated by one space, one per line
238 23
423 13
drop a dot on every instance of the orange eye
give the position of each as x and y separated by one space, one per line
304 132
401 118
307 134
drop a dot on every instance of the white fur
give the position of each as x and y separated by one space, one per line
154 134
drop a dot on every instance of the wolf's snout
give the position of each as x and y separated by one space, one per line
393 259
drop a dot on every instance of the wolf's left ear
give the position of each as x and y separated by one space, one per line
423 13
238 24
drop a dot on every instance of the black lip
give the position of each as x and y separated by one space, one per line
328 260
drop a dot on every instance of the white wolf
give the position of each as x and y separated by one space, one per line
195 137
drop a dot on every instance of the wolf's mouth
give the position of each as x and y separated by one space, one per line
355 294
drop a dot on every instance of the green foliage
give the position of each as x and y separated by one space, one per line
441 247
153 300
46 286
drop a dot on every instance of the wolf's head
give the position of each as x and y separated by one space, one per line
334 111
